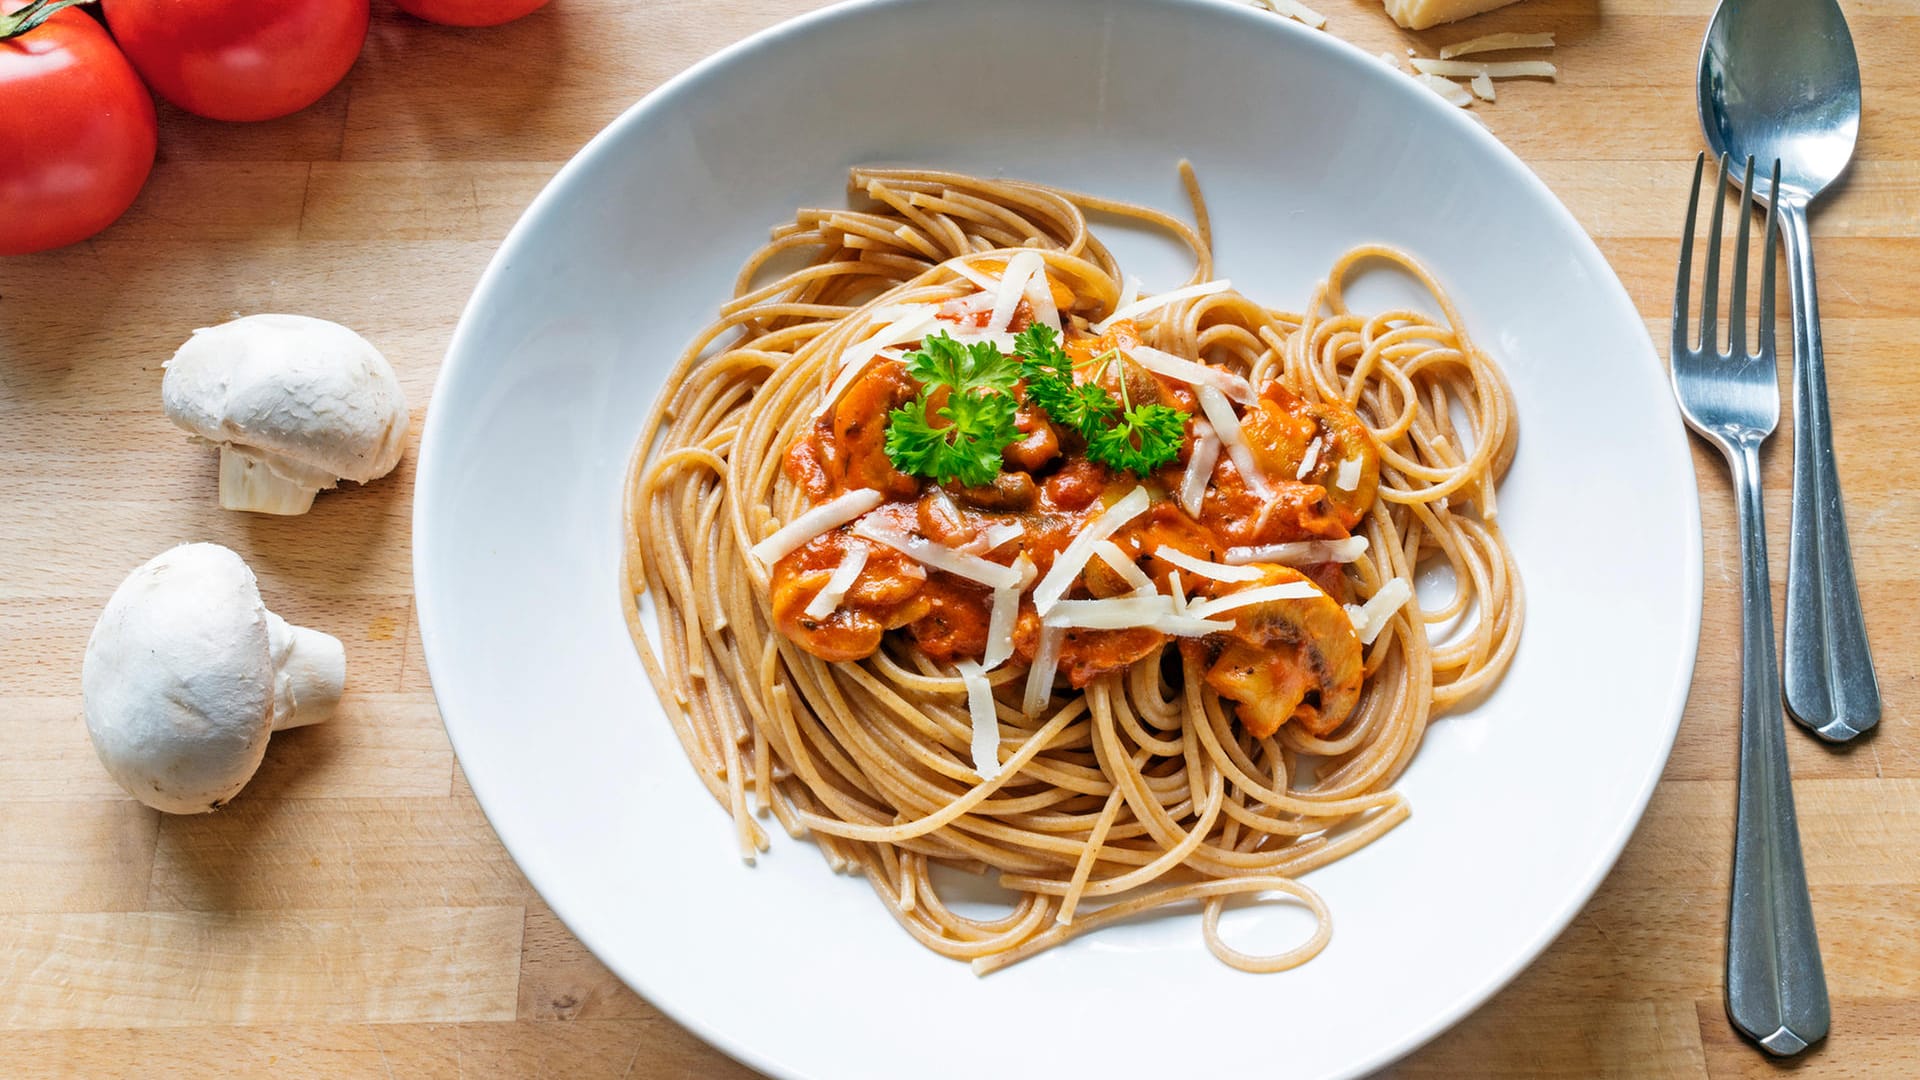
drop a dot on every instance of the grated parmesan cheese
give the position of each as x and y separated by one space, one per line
1200 463
1154 612
1214 570
1308 460
1496 43
939 556
986 721
828 598
992 538
1012 286
1482 87
1448 90
1292 9
1154 303
1301 552
1070 562
831 514
1507 69
1265 594
1372 617
1347 476
1187 371
1226 427
1128 570
1005 612
1046 664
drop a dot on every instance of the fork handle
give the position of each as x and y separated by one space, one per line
1776 986
1830 683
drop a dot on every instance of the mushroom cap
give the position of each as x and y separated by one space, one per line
178 680
309 392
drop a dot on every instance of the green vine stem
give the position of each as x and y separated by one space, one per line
25 19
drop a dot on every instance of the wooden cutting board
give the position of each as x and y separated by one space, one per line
353 915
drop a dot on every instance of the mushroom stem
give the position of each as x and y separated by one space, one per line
309 672
247 483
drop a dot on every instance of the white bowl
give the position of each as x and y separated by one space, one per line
1305 146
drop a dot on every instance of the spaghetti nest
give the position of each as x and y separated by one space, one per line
1141 789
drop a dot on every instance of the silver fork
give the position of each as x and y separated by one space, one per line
1776 987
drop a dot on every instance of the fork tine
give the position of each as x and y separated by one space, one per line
1767 255
1737 303
1710 288
1682 340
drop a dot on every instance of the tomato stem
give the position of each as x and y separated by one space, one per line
32 15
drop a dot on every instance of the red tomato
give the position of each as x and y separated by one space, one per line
240 59
469 12
76 133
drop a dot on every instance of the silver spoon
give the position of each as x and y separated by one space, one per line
1779 79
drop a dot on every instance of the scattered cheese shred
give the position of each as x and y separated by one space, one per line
1347 476
1046 664
1154 612
1372 617
1496 43
986 722
1039 295
1226 427
1265 594
1005 612
1012 286
1300 552
1507 69
1154 303
940 557
1308 460
993 537
1482 86
1186 371
1130 293
1070 562
1450 92
1214 570
828 598
1390 60
831 514
1200 463
985 282
1128 570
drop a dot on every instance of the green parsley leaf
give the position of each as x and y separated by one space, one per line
978 410
1137 438
967 449
1147 437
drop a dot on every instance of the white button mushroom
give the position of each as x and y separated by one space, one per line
295 404
187 673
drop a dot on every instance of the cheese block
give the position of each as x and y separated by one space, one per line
1421 14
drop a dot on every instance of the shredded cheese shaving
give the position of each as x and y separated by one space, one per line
1128 570
831 514
1154 303
1308 460
1006 610
1450 92
1214 570
1292 9
1200 463
1496 43
940 557
1372 617
835 590
1300 552
1347 476
1130 612
1186 371
1226 427
1070 562
1046 664
986 722
1265 594
1482 86
1508 69
1012 286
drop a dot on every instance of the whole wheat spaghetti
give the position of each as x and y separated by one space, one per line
1145 658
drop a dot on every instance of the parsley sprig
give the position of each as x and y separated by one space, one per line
1119 434
978 411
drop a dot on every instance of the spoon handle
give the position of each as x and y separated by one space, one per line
1776 984
1830 684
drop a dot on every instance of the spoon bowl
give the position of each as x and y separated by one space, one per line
1779 79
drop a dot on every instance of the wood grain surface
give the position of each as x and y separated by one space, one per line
353 915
